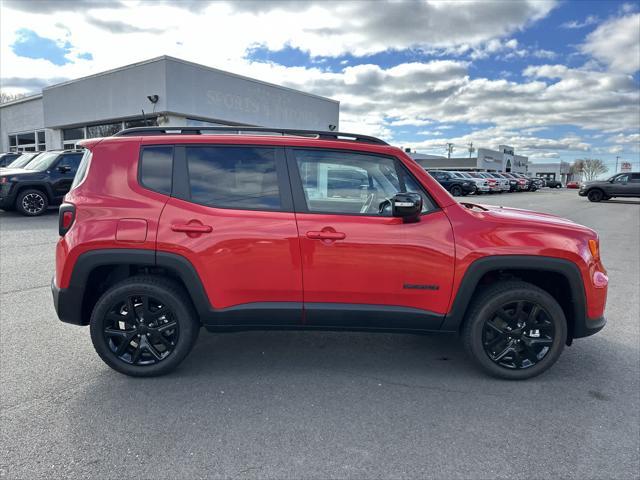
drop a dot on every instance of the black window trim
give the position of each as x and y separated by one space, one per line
173 160
182 188
300 200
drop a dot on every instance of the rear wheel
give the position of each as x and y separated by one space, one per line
514 330
456 190
595 195
143 326
32 202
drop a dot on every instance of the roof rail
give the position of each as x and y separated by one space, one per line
144 131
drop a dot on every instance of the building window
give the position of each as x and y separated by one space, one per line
141 122
103 130
27 141
192 122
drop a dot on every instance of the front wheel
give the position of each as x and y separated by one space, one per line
456 191
595 196
514 330
143 326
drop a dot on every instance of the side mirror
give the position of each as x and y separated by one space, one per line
64 168
408 206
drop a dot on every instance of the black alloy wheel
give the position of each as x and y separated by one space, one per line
141 330
518 335
456 190
514 330
144 326
595 195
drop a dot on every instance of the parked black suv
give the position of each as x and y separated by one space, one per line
43 181
456 186
620 185
7 158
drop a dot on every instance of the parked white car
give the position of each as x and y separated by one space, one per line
482 185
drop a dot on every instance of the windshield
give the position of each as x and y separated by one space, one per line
22 160
43 161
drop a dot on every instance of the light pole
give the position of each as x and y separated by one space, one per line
449 149
617 158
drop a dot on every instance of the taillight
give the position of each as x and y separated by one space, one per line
594 247
66 217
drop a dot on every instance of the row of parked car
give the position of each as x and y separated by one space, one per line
31 181
468 183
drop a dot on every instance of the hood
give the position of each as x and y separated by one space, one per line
529 217
6 172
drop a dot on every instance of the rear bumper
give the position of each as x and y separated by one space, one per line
588 326
67 303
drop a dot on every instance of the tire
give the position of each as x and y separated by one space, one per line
32 202
558 186
481 340
144 348
595 195
456 190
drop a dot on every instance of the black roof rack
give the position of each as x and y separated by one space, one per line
144 131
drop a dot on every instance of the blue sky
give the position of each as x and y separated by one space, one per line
558 80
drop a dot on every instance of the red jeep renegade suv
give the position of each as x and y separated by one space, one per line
168 229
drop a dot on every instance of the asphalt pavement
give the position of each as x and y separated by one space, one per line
313 404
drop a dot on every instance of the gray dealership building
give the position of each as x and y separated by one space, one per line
162 91
502 160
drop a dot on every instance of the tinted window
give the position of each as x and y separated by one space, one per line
635 177
351 183
156 166
82 169
71 160
622 179
234 177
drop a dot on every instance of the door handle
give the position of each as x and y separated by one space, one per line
326 235
191 228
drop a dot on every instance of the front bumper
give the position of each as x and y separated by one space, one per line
67 303
582 193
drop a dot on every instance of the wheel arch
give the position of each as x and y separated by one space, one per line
41 186
560 278
101 269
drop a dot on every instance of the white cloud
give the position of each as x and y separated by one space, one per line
574 24
616 43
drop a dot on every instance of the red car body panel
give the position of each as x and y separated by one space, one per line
377 260
251 256
247 257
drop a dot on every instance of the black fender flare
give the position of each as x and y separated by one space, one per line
44 186
504 263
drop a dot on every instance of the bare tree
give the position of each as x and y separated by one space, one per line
8 97
577 168
592 168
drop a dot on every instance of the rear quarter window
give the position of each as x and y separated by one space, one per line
156 168
83 168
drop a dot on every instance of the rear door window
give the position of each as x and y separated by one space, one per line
244 178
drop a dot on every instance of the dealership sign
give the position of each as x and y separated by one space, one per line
625 167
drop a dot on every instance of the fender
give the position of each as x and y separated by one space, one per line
477 269
69 301
38 185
